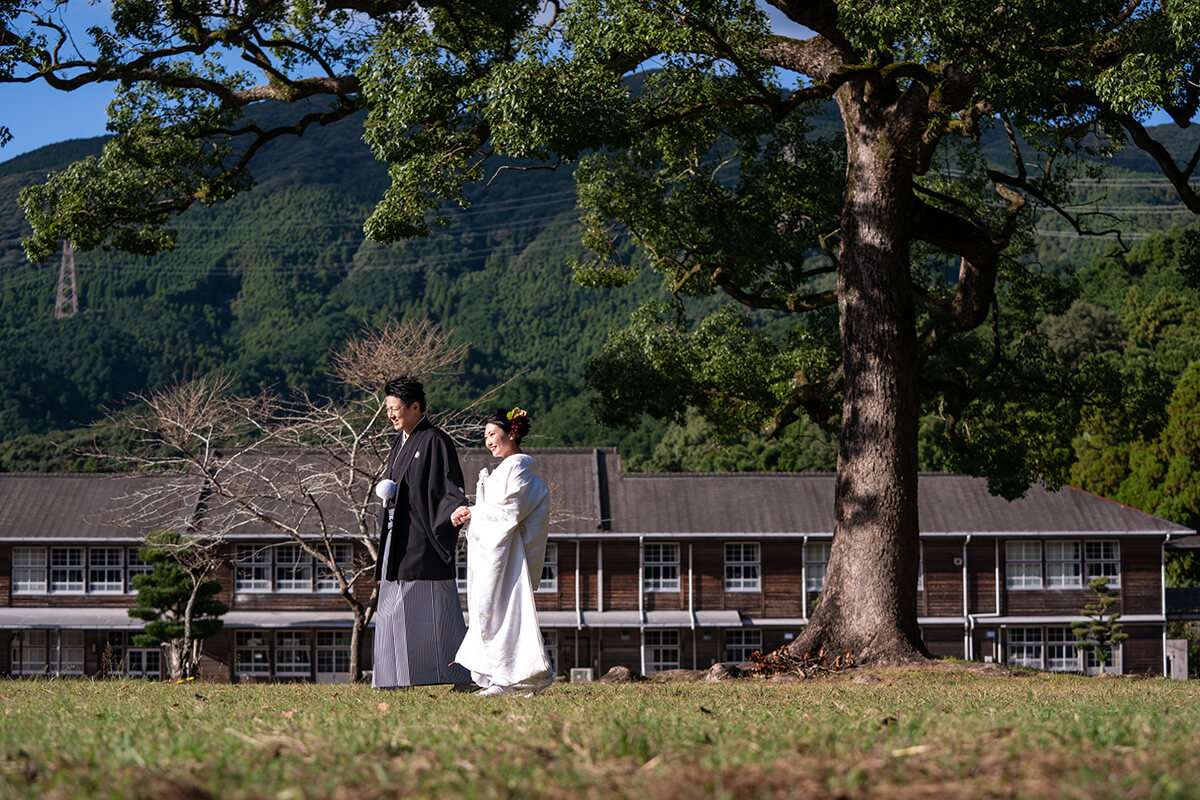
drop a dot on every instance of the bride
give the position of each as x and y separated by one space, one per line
506 545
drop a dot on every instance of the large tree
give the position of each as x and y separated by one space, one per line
882 243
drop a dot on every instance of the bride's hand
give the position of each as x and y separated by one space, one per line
460 515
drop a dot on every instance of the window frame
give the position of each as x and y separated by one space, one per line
26 586
65 586
747 635
654 651
736 569
548 581
662 583
811 583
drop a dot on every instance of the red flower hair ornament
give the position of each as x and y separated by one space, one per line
518 423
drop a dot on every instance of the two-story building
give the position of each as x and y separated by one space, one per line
651 571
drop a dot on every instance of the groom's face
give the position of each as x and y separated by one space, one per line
403 417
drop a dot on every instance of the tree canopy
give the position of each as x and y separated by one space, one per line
887 243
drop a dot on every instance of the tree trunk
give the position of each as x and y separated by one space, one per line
188 666
175 658
356 637
868 606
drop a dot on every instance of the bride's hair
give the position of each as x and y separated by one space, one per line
515 423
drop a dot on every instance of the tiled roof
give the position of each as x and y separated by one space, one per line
591 496
803 503
91 505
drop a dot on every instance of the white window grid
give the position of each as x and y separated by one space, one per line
1061 653
816 563
1062 565
252 653
131 661
660 566
251 568
1092 664
28 653
106 572
293 569
293 654
920 566
134 566
740 643
662 650
333 653
66 570
550 640
743 567
1102 557
1023 565
29 570
1067 564
549 579
460 565
1025 647
343 554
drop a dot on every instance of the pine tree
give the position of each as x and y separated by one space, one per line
1101 633
176 599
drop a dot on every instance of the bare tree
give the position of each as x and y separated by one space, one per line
294 465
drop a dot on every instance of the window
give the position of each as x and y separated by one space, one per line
293 569
293 655
661 567
28 653
550 639
130 661
29 570
343 555
252 568
1092 664
742 563
1025 647
252 655
921 567
135 566
1023 565
333 655
662 650
739 644
1061 655
1062 565
816 561
66 570
1102 558
549 580
105 573
1068 564
460 565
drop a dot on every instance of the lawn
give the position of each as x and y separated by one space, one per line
948 731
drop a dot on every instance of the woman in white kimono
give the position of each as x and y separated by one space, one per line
506 545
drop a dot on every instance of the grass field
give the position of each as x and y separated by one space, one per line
944 732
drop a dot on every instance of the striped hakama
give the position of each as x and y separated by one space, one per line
418 628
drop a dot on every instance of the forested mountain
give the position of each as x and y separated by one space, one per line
266 285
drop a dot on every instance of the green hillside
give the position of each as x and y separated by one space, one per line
267 284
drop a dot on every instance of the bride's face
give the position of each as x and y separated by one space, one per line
498 443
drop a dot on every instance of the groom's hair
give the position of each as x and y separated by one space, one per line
408 389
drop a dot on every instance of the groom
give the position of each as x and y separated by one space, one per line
418 620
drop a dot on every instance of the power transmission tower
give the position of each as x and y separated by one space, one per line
67 302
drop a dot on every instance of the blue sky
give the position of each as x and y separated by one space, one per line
38 115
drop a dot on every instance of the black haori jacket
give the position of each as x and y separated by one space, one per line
429 486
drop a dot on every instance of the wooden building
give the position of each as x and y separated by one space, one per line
651 571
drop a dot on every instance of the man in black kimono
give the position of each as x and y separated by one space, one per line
418 620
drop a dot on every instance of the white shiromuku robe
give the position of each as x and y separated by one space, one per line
506 545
